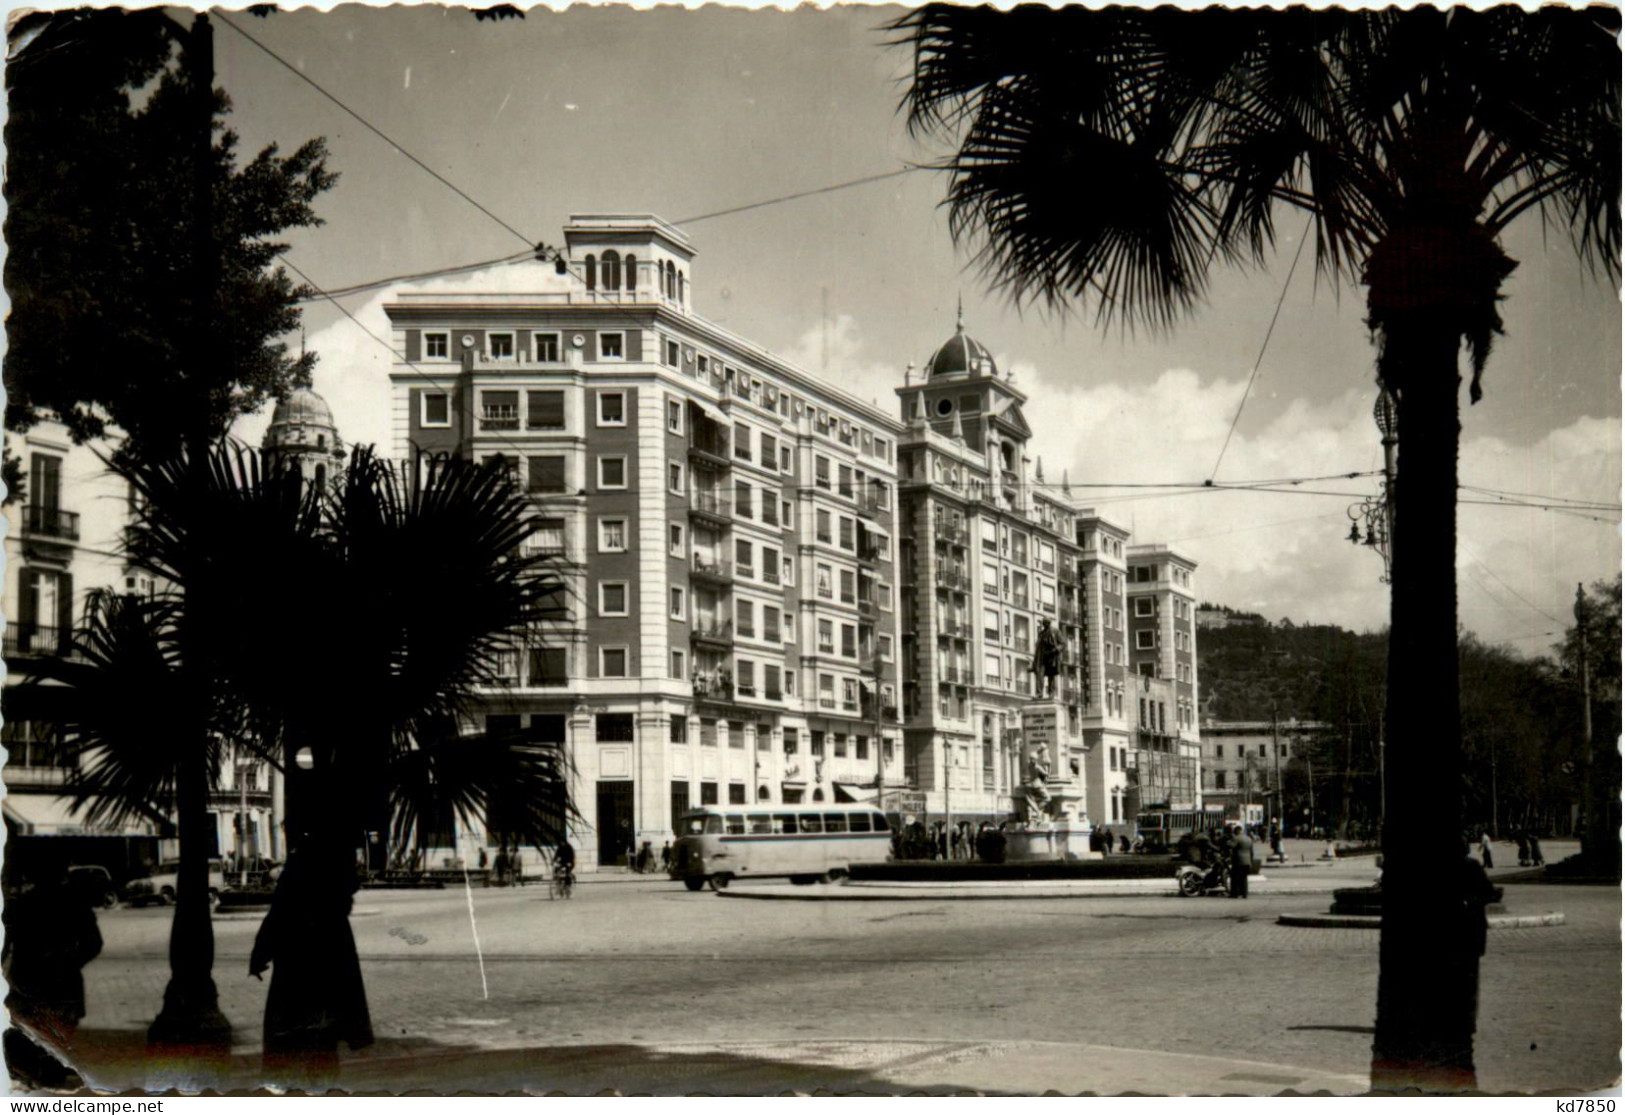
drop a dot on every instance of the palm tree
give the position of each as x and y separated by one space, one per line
341 635
1112 157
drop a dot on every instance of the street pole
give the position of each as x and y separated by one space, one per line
1589 796
947 778
1311 765
1275 748
242 820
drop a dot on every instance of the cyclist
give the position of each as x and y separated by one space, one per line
564 863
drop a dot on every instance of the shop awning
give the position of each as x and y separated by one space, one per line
845 791
52 815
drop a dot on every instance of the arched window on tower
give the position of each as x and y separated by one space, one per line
321 477
682 289
671 279
591 270
321 441
631 273
612 270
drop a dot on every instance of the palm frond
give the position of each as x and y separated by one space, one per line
514 783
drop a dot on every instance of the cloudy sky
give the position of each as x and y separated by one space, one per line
689 113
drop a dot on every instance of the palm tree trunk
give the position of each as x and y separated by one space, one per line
1427 988
191 1021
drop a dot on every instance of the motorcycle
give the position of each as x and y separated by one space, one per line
1195 881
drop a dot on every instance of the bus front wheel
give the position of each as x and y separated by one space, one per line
721 881
694 884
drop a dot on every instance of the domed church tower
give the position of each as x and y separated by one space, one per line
302 435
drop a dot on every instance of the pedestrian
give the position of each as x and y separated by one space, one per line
1123 843
645 860
1523 847
1241 864
51 934
1536 859
317 997
665 856
1484 847
484 861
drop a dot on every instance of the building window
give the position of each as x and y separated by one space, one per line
822 528
746 677
548 666
612 536
826 699
826 636
849 587
611 408
436 409
678 610
744 507
674 478
849 640
848 534
736 794
674 416
612 598
821 472
544 410
614 727
742 441
744 558
825 582
436 346
1218 780
547 347
885 642
1145 640
500 346
546 474
674 533
612 662
1218 751
679 728
708 793
679 672
611 346
1145 606
612 472
849 694
673 353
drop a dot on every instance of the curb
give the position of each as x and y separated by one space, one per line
1373 921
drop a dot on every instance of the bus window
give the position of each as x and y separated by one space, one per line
692 825
784 822
736 824
858 822
811 823
713 824
834 822
880 822
761 823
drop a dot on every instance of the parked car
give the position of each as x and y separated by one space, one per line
95 883
159 886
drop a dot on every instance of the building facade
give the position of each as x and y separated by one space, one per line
774 592
1247 763
723 525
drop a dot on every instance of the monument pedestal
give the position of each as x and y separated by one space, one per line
1062 830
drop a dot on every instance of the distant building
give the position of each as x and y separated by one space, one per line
1211 615
1246 762
302 435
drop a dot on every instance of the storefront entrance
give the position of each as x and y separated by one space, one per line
615 834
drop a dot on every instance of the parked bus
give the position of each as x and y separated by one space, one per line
806 843
1162 830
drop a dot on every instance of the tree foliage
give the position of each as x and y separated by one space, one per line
109 323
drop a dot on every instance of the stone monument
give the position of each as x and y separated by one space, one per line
1054 825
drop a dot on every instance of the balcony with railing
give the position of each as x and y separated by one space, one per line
714 685
707 504
949 531
711 447
771 577
494 418
950 674
826 700
51 522
712 629
1021 600
33 640
1069 613
1024 644
705 568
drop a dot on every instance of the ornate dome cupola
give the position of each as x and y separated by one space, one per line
302 435
961 357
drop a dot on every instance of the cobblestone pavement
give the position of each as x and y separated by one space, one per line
645 966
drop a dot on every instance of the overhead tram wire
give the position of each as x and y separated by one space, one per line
365 123
1462 542
1263 348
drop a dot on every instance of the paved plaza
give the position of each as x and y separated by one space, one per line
641 986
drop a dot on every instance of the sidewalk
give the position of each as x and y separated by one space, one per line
118 1061
978 890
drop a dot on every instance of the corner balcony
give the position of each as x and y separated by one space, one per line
51 522
710 505
718 632
711 569
714 687
32 640
713 451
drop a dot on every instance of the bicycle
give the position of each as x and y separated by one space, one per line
563 884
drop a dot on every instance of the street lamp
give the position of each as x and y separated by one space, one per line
1377 513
